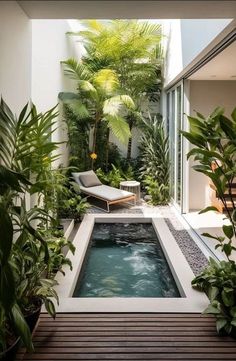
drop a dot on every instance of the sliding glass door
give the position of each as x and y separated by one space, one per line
174 117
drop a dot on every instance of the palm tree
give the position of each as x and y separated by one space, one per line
98 98
133 50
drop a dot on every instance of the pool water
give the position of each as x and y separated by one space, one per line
125 260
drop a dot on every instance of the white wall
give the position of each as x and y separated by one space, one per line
15 55
205 96
50 46
185 39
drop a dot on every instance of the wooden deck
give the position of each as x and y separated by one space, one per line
129 337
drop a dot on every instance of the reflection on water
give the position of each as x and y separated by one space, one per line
125 260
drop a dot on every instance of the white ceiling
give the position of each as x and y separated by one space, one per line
222 67
129 9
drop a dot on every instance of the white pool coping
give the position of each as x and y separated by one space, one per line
192 301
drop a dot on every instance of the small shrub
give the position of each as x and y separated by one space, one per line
159 193
218 280
114 176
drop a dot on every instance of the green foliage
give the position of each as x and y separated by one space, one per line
218 280
26 147
114 176
120 71
159 193
10 313
75 207
92 103
26 153
129 47
30 274
154 155
214 151
58 246
78 139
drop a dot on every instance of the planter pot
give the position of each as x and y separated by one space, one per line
10 353
33 317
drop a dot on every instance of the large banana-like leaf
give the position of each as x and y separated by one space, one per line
75 104
78 108
119 128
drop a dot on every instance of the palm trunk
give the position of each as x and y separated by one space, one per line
107 148
94 138
129 148
128 156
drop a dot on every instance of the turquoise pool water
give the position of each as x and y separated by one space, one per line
125 260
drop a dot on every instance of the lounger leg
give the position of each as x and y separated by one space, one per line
108 207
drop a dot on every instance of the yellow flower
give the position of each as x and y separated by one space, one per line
93 156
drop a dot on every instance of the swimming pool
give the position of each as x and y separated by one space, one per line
152 275
125 260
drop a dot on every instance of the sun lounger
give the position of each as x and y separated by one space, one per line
109 195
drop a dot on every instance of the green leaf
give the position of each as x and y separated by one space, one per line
217 112
233 115
205 234
21 327
49 305
114 105
233 322
212 310
119 128
64 96
6 236
227 249
200 115
233 312
207 209
106 80
213 292
220 323
78 108
228 231
194 138
227 127
7 287
76 70
228 297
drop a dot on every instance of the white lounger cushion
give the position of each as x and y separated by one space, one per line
103 191
106 192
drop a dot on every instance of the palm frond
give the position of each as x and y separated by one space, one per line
114 105
76 70
119 128
106 80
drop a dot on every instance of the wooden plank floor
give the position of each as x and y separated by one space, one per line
129 337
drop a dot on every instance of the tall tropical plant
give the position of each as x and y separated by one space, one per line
97 99
214 147
10 313
133 50
26 157
154 154
26 146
